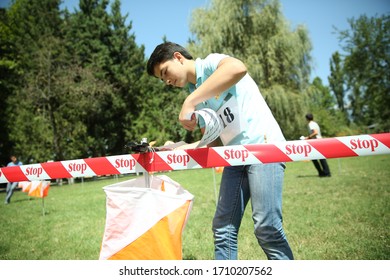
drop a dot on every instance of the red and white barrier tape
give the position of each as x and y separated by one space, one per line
347 146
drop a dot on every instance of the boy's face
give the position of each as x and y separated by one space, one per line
173 72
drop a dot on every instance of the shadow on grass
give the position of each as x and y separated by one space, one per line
307 176
20 200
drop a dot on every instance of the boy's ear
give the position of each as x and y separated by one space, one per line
178 56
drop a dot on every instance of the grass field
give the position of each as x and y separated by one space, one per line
342 217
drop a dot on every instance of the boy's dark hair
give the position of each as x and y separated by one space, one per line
309 116
164 52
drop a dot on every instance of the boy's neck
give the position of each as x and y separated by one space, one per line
191 77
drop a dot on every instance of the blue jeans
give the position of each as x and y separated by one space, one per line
263 184
10 191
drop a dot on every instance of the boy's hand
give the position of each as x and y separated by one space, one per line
187 122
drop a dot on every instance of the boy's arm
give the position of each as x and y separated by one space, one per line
313 134
229 71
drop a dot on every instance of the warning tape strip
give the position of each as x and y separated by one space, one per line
346 146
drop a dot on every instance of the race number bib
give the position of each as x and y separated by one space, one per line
230 118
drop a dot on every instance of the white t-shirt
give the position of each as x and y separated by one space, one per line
245 115
313 125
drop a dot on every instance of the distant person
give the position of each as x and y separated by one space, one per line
315 133
11 186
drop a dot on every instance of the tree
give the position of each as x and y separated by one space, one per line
34 26
78 83
336 80
87 37
323 105
63 106
103 41
8 79
321 97
366 67
256 32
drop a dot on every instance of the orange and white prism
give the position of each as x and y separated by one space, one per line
35 188
145 219
25 186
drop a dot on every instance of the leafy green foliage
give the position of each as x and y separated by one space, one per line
366 70
73 84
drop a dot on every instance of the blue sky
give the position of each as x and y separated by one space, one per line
172 17
152 19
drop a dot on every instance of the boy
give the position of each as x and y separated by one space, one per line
221 83
315 133
11 186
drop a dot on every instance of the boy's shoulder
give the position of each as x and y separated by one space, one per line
215 57
209 63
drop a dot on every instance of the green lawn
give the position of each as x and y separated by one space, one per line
342 217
